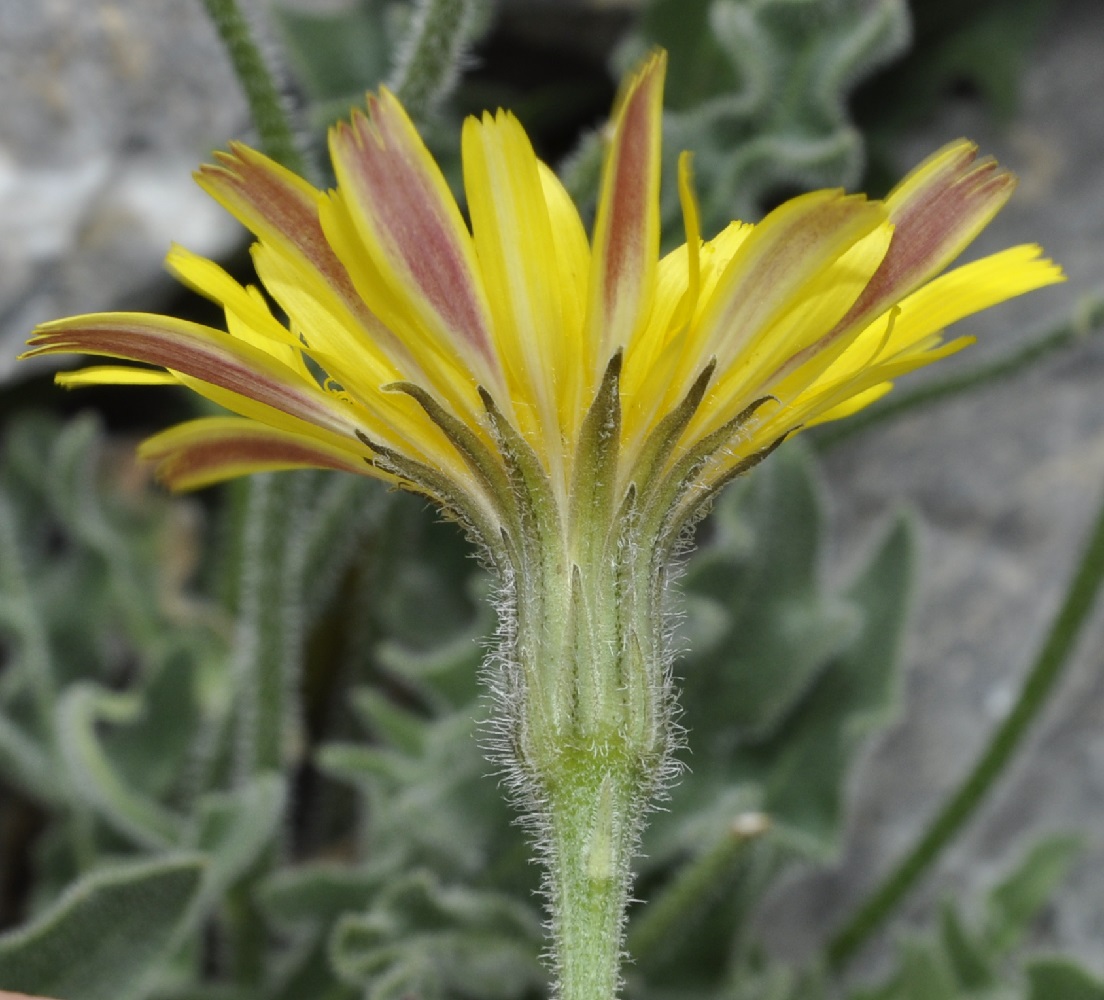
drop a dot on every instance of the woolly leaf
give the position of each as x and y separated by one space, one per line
95 776
316 894
234 828
782 625
25 764
108 935
803 767
439 940
337 55
759 91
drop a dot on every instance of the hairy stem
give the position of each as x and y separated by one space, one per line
430 56
268 639
266 106
1040 682
593 825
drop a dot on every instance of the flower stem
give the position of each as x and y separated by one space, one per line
668 917
266 106
1040 682
268 637
430 56
593 830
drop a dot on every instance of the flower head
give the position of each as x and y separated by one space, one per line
477 361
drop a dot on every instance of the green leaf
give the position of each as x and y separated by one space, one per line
94 775
235 828
1016 902
783 626
803 768
26 764
925 974
760 93
338 55
106 938
399 727
972 967
152 750
436 806
1058 979
317 893
443 939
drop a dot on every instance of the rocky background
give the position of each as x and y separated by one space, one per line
1006 482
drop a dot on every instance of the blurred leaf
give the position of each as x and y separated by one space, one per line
81 708
316 894
974 962
234 828
803 768
338 55
1016 902
440 941
26 765
759 92
781 625
1058 979
769 760
108 935
973 967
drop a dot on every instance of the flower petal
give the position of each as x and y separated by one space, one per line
412 230
212 449
626 231
937 210
206 355
517 256
248 317
969 289
789 345
784 254
114 375
282 210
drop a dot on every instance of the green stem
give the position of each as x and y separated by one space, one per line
1041 680
268 642
265 103
670 916
593 826
1089 319
430 55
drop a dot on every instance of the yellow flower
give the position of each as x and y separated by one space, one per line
459 360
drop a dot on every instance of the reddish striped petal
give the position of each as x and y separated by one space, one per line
281 209
208 355
411 225
936 211
212 449
782 256
626 231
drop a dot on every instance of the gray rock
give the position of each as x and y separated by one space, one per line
109 107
